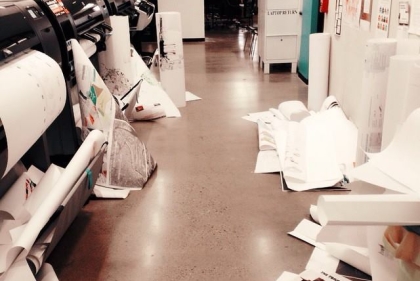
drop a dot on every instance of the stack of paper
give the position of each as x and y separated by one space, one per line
313 150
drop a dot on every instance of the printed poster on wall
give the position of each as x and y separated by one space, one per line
366 15
415 18
351 13
384 15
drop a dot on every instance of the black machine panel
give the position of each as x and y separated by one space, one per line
24 25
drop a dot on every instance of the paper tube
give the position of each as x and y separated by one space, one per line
389 209
171 56
115 62
412 100
396 96
34 94
372 105
319 65
294 110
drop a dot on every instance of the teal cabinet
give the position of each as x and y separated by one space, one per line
310 19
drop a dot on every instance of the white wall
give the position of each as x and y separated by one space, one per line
192 16
347 57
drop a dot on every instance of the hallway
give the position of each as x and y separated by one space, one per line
204 214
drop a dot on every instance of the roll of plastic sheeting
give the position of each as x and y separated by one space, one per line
319 69
115 62
372 103
33 95
171 56
396 95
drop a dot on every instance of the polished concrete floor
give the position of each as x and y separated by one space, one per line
204 214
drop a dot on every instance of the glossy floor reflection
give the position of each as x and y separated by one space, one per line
204 215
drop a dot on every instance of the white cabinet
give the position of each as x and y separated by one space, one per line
279 29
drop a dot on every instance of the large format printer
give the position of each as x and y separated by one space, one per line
27 26
23 25
84 21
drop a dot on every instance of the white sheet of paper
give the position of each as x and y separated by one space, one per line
19 270
384 209
267 162
277 114
322 260
357 257
323 275
297 185
115 61
344 234
151 92
191 97
266 139
104 192
265 116
307 231
370 174
311 153
344 133
171 58
6 227
405 147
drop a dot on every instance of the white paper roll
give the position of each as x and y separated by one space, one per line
88 46
412 101
408 47
34 94
115 62
396 96
319 65
374 85
390 209
171 56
